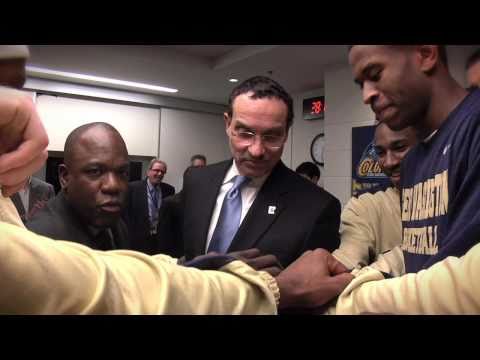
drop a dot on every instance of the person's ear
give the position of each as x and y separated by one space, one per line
428 57
228 121
63 176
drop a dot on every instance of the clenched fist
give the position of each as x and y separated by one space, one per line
312 280
23 140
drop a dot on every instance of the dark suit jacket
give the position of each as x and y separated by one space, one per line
40 193
136 214
169 239
306 216
57 220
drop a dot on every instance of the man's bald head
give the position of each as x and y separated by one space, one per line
442 51
95 174
74 137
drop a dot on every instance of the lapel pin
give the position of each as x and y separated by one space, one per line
271 210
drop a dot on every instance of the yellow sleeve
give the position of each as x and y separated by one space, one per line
392 262
8 212
370 228
357 238
43 276
448 287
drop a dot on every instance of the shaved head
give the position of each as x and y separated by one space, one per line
75 135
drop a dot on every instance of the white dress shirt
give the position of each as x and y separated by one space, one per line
153 217
249 193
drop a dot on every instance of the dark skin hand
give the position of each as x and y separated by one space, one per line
251 257
312 280
259 262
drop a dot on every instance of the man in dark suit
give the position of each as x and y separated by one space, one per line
255 201
94 180
32 198
145 198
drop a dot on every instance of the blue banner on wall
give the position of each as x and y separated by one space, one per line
366 172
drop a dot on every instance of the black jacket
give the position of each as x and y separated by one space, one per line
306 216
136 215
57 220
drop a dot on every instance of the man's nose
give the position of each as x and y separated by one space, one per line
257 149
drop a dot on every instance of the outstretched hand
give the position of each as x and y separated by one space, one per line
312 280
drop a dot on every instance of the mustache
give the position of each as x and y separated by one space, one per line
248 157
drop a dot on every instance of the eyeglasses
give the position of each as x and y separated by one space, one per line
158 171
247 138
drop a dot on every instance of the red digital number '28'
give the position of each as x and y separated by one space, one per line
317 107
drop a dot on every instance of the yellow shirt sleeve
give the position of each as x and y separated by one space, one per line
8 212
448 287
370 226
391 262
44 276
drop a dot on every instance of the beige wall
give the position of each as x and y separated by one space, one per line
185 133
303 132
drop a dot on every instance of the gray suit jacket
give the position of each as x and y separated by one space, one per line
40 193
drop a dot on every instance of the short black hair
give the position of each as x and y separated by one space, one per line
263 87
473 59
199 157
73 137
442 53
309 169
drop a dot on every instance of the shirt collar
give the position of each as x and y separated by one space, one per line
94 231
150 185
26 188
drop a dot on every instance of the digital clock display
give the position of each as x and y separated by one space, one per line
314 108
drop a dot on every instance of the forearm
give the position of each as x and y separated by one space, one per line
352 254
448 287
8 212
42 276
357 238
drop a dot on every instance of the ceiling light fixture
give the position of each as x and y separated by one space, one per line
97 80
233 80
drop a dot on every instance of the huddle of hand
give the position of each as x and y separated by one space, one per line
310 282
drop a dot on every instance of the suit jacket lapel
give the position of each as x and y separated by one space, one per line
142 194
35 194
71 221
120 234
204 200
17 201
265 210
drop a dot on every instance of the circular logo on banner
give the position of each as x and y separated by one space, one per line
368 167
